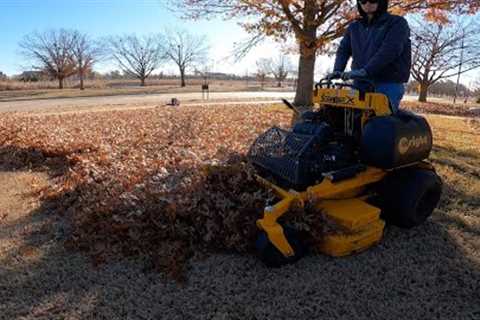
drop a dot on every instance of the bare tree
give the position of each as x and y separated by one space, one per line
185 50
440 52
263 70
85 52
476 90
51 52
280 67
137 56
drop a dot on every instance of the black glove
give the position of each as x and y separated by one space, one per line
334 75
355 74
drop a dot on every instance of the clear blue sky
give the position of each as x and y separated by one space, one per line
108 17
100 18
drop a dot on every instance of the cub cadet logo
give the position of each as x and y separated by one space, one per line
342 100
406 144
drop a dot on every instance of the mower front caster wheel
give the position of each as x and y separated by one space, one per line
272 257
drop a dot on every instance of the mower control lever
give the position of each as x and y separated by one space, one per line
291 106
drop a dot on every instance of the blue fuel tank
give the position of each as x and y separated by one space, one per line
394 141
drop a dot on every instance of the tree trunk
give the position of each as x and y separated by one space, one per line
81 81
422 97
81 71
142 81
60 83
308 50
182 76
279 84
304 92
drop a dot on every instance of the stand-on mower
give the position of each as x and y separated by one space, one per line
359 163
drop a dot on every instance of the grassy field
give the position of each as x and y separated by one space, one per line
456 156
109 198
14 90
21 91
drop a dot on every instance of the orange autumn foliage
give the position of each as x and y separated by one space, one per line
279 19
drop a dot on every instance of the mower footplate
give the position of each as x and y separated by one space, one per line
343 244
350 214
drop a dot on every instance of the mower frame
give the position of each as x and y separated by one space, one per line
328 94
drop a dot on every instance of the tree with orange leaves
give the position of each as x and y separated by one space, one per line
315 24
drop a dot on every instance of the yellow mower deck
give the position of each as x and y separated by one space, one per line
341 203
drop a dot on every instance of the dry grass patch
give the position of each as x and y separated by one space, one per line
456 156
15 90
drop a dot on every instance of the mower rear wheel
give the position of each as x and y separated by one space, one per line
409 196
272 257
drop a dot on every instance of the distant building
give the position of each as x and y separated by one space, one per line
3 76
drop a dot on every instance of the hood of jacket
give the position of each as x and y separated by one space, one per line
382 8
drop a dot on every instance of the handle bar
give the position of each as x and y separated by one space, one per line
330 84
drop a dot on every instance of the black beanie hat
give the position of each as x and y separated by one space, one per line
382 8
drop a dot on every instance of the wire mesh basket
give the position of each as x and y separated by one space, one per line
295 159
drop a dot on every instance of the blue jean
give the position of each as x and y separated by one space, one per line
393 91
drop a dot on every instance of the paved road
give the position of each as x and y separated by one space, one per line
55 105
85 103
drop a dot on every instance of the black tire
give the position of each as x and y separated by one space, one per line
409 196
272 257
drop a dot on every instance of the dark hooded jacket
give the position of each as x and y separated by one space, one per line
382 46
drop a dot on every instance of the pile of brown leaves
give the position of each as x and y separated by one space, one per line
158 182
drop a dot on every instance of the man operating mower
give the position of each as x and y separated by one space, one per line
380 47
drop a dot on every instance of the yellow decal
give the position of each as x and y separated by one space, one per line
405 144
336 99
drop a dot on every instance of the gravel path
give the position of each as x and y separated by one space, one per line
425 273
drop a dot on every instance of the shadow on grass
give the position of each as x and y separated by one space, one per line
421 273
14 159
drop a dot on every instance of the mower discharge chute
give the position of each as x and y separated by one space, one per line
361 164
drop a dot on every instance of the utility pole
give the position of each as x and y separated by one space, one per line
459 69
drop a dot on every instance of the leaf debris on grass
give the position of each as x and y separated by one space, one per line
158 182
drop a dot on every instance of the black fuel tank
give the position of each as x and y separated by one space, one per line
396 140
